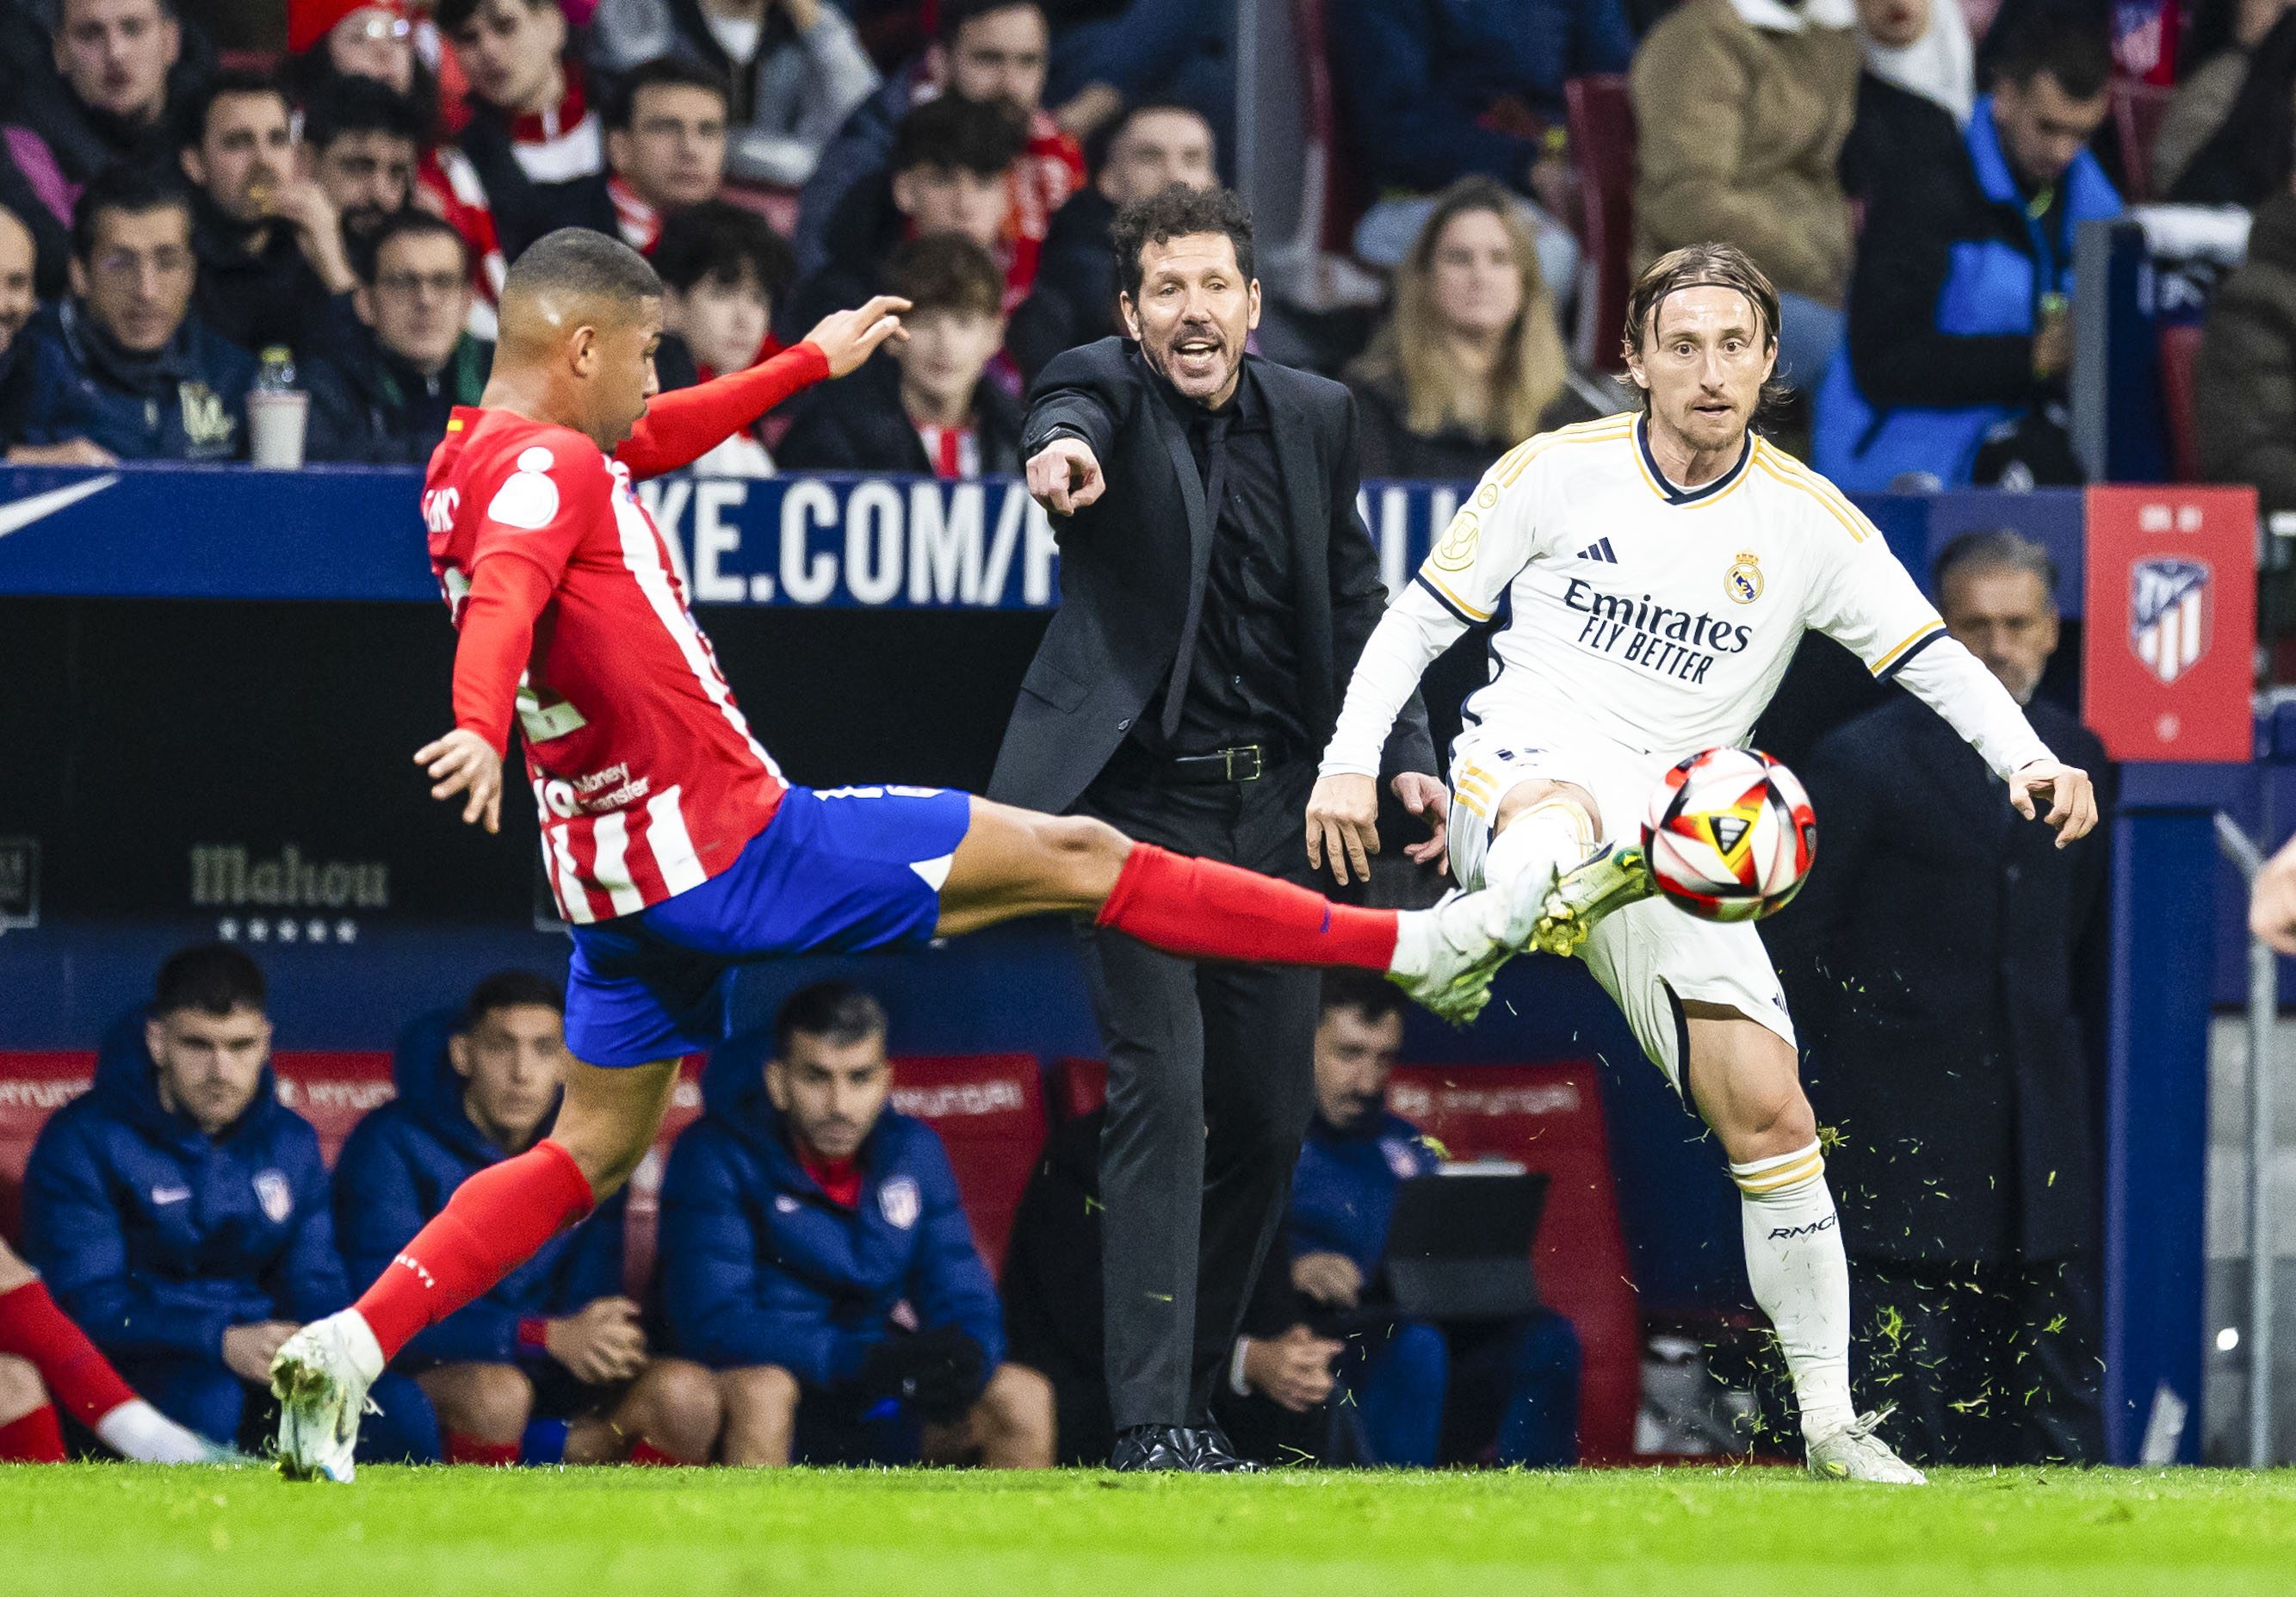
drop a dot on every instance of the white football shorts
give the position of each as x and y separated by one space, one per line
1649 956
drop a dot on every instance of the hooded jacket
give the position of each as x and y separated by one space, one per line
157 1238
401 1164
759 1267
185 401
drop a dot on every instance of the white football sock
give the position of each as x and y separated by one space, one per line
1802 1278
138 1431
1541 842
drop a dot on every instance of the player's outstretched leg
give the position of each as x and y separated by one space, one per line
1015 862
78 1377
494 1222
1743 1076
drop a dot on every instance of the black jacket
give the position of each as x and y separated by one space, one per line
865 229
1073 301
1896 131
1391 449
378 409
1946 964
858 425
1129 563
257 298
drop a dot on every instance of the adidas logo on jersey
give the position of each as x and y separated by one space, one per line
1600 549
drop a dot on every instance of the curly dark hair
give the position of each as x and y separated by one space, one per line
1175 212
945 271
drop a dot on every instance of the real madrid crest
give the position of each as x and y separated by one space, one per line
1743 580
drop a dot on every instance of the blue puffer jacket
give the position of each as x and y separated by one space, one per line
402 1163
1344 1188
187 402
157 1239
1943 306
758 1266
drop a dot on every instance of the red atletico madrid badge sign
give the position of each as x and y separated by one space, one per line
2169 628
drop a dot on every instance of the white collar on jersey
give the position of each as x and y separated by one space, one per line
1666 487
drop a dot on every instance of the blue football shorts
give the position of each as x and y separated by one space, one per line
845 872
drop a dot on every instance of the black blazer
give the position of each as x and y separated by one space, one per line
1130 561
1947 962
858 425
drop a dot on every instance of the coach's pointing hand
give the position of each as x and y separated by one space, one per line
850 337
464 762
2072 797
1064 476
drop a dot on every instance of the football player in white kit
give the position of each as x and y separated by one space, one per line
1661 567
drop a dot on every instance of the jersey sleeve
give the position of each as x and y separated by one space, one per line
1485 547
558 491
1866 601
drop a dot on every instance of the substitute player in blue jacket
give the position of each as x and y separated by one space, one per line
179 1211
815 1253
1424 1393
552 1365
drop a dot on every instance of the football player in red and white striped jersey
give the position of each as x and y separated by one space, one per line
677 849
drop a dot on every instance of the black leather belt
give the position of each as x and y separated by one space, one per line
1245 762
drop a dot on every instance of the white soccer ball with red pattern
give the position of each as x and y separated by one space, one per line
1730 835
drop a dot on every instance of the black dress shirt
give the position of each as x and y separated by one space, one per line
1242 673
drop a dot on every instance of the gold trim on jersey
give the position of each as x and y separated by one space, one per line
1739 470
1926 629
1784 468
1604 430
1454 550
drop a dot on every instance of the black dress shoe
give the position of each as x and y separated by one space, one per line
1180 1447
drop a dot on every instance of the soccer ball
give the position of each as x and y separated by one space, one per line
1730 835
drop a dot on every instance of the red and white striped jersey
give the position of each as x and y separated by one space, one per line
645 775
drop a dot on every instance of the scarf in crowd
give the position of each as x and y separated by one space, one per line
1939 66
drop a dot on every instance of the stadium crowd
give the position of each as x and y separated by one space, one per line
173 227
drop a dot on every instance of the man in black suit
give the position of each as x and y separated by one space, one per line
1217 586
1945 963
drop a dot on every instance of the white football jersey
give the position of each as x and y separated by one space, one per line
1655 617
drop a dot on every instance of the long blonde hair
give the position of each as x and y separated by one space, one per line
1531 367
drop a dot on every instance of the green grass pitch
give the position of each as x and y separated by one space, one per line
107 1528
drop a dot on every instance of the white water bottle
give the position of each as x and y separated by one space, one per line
277 412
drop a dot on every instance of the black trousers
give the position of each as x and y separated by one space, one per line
1210 1083
1989 1364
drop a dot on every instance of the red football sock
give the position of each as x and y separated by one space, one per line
494 1222
1206 910
469 1450
33 1328
652 1457
35 1438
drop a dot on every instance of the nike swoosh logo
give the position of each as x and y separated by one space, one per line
20 513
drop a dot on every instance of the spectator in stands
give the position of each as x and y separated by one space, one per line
925 406
1052 1327
2248 157
179 1211
329 39
1106 57
796 67
665 144
1914 95
1073 301
552 1365
18 298
951 172
415 361
1436 92
1470 363
990 51
123 73
1742 107
1948 991
723 270
273 266
797 1214
2244 381
122 370
1960 324
1517 1381
361 143
533 142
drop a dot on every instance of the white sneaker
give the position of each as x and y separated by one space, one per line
320 1375
1854 1453
1445 957
1610 879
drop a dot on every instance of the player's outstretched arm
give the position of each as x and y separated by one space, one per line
2071 796
681 426
463 762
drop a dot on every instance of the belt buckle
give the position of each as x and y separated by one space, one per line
1229 755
